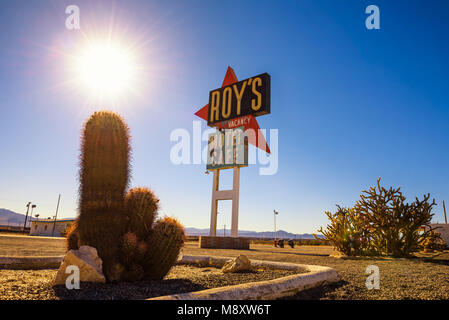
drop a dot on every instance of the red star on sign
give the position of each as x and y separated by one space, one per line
248 122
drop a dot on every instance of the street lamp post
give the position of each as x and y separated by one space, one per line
275 214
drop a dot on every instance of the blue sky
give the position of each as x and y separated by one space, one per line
350 104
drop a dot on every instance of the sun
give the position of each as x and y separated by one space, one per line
106 69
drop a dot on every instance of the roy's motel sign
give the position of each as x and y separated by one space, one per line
232 110
232 104
250 96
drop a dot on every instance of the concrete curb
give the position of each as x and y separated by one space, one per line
30 262
261 290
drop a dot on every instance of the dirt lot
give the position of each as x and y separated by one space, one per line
22 245
399 278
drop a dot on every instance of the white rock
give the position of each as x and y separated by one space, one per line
241 263
87 260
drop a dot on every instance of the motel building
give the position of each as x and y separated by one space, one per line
44 227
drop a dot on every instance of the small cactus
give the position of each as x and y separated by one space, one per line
165 243
141 207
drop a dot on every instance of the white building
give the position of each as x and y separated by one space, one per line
44 227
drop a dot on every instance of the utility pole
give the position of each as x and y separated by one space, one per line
56 215
444 207
26 216
224 230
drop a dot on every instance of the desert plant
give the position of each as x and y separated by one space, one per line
120 227
141 207
346 231
380 223
104 176
164 245
432 241
393 224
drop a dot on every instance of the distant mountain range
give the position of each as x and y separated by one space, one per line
253 234
11 218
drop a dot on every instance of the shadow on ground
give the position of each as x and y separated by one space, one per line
126 290
317 293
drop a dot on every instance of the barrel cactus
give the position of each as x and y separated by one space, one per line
165 243
141 207
147 246
120 224
104 177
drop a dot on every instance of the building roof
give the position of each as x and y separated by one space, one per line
52 220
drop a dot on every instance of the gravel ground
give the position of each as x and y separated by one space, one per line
37 284
399 278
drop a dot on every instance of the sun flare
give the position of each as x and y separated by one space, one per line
106 69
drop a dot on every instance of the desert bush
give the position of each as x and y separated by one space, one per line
432 241
381 223
394 225
346 231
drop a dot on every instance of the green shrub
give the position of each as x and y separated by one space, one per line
380 223
346 231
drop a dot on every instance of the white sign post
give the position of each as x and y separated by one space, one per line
225 195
